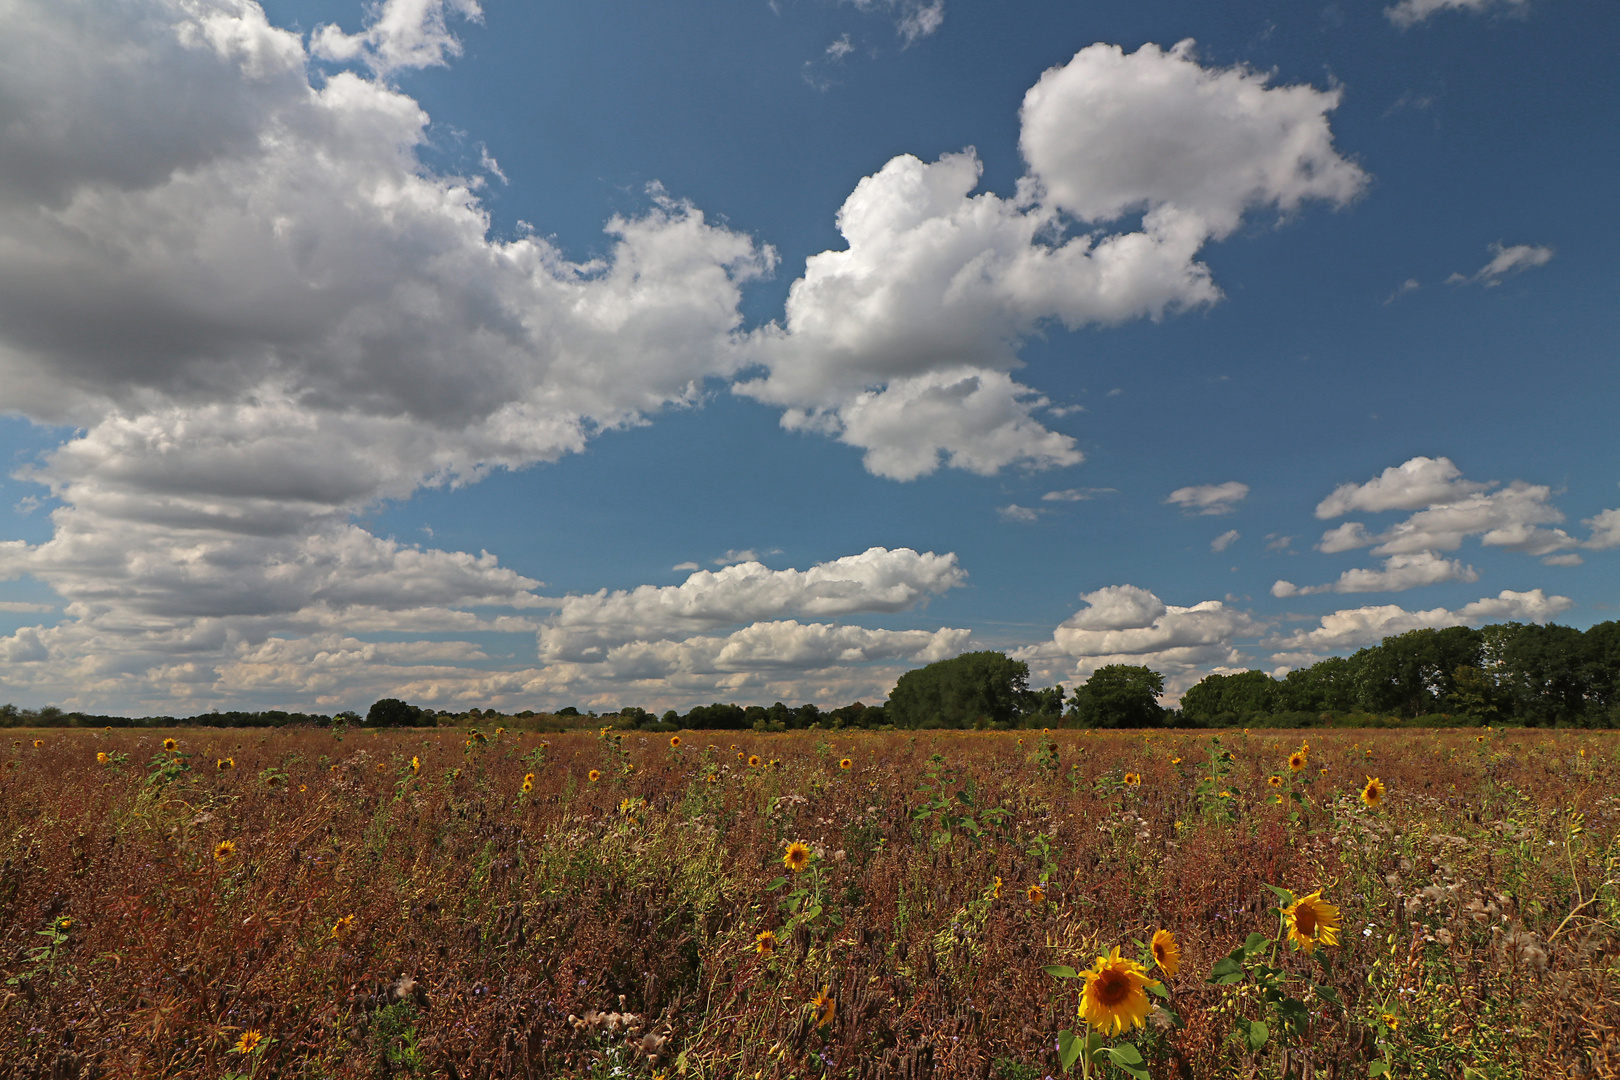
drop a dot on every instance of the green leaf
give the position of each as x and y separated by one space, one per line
1330 994
1472 1074
1069 1049
1226 971
1381 1068
1128 1059
776 883
1158 988
1256 943
1258 1034
1061 971
813 913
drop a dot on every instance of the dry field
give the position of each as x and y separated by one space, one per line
422 903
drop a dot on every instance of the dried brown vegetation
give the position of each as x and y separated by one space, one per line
369 918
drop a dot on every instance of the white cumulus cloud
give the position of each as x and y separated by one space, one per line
1411 12
1506 261
1209 498
1224 541
1354 628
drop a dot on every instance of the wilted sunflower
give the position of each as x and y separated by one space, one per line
170 745
1166 953
1373 793
225 851
528 783
101 757
1297 761
1312 921
845 763
824 1006
343 928
1131 779
1036 894
797 856
765 942
1114 998
593 776
753 761
995 890
1274 781
248 1042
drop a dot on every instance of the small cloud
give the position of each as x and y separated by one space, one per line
22 606
1409 13
685 567
1278 543
1076 494
841 48
1064 410
429 530
1224 541
1409 285
1015 512
487 162
1115 392
1505 262
1570 559
26 505
1209 498
734 556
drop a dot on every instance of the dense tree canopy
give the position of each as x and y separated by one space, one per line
975 689
1119 696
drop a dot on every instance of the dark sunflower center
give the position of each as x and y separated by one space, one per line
1159 953
1113 987
1305 919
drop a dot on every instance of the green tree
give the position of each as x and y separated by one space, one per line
973 689
392 712
1119 695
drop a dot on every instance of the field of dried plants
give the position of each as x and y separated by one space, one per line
436 903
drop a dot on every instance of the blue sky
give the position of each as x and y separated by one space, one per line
470 352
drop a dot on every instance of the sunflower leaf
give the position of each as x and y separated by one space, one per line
1158 988
1283 895
1227 970
776 883
1381 1068
1061 971
1069 1049
1256 943
1122 1056
1258 1034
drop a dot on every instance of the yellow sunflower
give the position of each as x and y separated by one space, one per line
1131 779
713 779
593 776
225 764
101 757
343 928
1391 1021
753 761
1166 953
1274 781
741 756
824 1006
528 783
765 942
248 1042
170 745
1373 793
797 856
1114 998
995 890
39 743
225 851
1037 895
845 763
1312 921
416 764
674 741
1297 761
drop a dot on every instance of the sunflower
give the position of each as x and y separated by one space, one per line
741 756
765 942
1322 771
225 851
1114 997
416 764
225 764
674 741
170 745
995 890
1274 781
1037 895
1479 738
1166 953
528 783
845 763
101 757
1297 761
824 1006
713 779
797 856
753 761
343 928
1131 779
248 1042
593 776
500 731
382 766
1175 761
1391 1021
1373 793
39 743
1312 921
